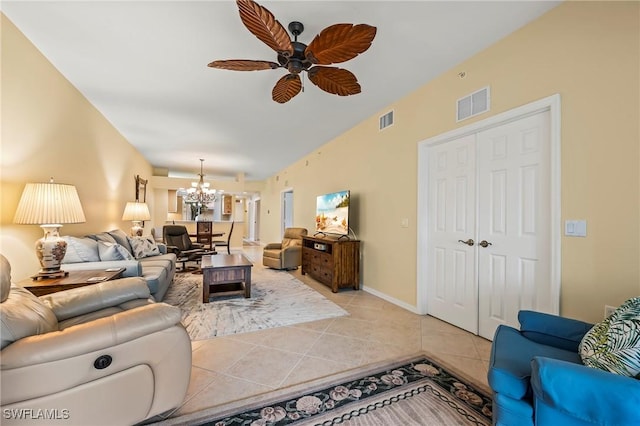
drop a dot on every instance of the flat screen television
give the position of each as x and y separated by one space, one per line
332 213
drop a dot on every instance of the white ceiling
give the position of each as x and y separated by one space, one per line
143 64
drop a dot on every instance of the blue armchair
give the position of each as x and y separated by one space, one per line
538 378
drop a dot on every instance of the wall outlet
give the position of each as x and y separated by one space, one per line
608 310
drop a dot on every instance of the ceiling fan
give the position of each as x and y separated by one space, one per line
336 43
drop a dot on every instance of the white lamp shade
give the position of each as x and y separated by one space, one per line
49 203
136 211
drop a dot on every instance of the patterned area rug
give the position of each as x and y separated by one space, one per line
418 391
277 299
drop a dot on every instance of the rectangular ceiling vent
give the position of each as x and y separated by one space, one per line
386 120
473 104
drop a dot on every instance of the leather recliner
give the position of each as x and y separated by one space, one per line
100 354
177 239
288 253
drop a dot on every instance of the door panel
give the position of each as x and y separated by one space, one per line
513 215
452 210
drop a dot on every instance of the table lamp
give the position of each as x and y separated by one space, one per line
49 205
136 212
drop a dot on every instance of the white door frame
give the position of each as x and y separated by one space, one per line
551 104
286 210
255 220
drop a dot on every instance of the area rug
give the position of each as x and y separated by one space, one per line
277 299
417 391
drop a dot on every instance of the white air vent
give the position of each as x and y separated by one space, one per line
386 120
473 104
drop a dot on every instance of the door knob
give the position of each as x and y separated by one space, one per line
484 243
469 242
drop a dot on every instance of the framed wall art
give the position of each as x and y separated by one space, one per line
141 189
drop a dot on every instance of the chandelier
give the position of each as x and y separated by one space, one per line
199 191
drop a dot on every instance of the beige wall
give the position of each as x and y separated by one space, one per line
589 53
586 51
50 129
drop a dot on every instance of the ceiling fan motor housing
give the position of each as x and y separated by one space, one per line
297 62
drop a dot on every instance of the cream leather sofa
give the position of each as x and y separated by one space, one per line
288 253
101 354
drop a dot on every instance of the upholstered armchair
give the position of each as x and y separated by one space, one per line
545 373
100 354
288 253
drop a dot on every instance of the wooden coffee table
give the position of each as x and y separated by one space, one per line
225 273
75 279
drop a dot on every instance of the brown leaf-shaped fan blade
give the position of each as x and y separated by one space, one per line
244 65
339 43
334 80
264 25
286 88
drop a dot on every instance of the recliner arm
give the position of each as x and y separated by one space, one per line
273 246
586 393
88 337
291 255
552 330
79 301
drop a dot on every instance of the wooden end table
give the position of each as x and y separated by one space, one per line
75 279
225 273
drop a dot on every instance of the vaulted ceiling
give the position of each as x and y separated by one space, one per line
143 64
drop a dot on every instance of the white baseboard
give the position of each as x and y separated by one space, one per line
390 299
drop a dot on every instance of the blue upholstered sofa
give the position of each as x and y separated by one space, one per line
538 378
115 249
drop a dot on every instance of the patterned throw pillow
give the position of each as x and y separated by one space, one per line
143 247
614 344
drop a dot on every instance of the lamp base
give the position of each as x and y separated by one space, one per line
137 229
47 275
50 250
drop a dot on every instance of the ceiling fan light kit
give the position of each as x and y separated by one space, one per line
336 43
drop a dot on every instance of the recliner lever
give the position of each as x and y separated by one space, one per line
102 362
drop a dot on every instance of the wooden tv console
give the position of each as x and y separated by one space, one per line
334 262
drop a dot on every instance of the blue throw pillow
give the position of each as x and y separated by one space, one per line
121 238
112 251
81 250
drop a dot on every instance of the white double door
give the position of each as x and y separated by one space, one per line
489 225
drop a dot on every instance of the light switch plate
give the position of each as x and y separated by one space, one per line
575 228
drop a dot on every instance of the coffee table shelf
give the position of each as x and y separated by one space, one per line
224 273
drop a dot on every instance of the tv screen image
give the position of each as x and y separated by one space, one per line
332 213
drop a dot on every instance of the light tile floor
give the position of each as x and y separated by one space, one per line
248 364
